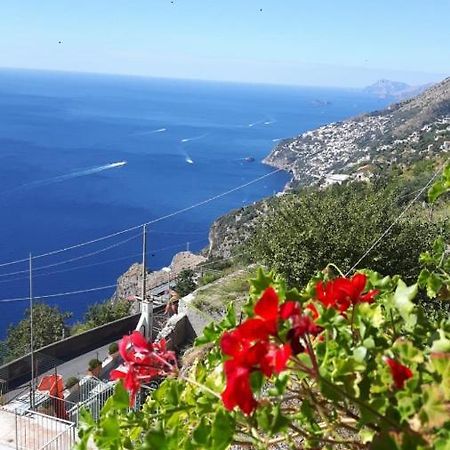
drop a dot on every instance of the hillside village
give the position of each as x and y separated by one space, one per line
359 147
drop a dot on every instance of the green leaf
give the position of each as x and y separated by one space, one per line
403 297
201 435
222 431
435 410
359 353
441 345
121 398
441 186
230 316
256 381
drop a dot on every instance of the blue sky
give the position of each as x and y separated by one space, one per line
305 42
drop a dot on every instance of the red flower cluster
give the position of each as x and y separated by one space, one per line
143 361
400 373
341 293
250 349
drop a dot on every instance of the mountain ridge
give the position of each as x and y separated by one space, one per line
410 129
398 90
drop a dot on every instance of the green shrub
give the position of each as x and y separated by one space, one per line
94 363
71 381
113 348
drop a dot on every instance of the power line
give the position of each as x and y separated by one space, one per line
85 266
159 219
64 294
181 233
389 228
77 258
60 294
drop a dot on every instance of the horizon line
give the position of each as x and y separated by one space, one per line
203 80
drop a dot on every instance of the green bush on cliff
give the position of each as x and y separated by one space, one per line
49 325
306 231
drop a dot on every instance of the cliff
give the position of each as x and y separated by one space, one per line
130 283
355 149
404 132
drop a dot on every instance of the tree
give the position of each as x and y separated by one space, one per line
185 283
307 230
49 325
106 312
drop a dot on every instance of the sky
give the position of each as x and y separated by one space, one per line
300 42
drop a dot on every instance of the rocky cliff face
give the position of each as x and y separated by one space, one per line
357 148
234 228
404 132
129 284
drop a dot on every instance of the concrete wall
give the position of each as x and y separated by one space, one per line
18 372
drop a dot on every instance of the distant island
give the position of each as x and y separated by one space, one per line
395 89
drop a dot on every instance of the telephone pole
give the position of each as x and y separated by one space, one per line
144 262
145 324
30 267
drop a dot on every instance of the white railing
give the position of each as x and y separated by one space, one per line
63 441
36 431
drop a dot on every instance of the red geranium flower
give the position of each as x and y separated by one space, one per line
143 361
342 292
246 357
238 391
400 373
265 321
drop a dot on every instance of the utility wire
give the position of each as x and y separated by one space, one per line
159 219
85 266
389 228
87 255
61 294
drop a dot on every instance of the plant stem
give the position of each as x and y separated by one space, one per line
200 386
337 268
360 403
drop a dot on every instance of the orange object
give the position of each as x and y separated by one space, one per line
54 384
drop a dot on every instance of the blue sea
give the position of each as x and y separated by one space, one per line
82 156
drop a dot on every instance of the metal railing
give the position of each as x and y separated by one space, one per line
52 424
36 431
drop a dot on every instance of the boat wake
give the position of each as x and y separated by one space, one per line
68 176
159 130
195 138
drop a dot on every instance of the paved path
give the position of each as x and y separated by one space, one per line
76 367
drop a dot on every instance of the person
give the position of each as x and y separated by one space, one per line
172 303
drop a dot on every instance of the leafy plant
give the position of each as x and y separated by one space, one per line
113 348
71 381
49 325
94 363
305 231
345 361
185 282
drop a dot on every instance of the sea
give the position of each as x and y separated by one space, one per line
84 156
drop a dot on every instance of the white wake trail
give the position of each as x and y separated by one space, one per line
195 138
143 133
68 176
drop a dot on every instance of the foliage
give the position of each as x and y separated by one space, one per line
49 325
71 381
209 277
185 282
103 313
374 371
308 230
441 186
113 348
342 363
94 363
